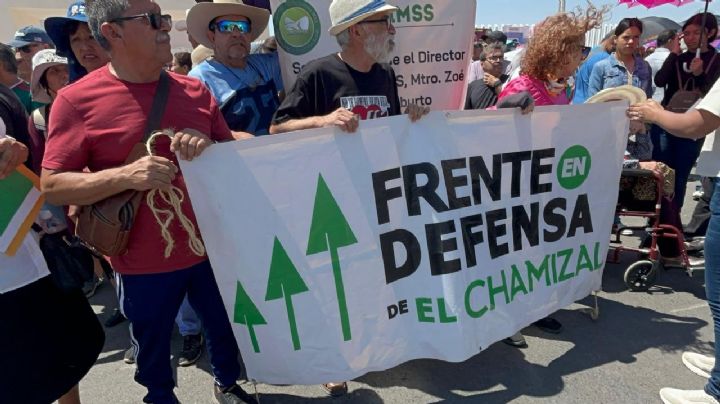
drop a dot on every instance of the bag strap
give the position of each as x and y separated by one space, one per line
158 106
707 69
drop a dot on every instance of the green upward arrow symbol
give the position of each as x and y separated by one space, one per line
247 313
328 232
285 281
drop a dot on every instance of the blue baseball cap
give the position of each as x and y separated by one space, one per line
29 35
56 26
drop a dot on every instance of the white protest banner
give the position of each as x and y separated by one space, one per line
338 254
433 46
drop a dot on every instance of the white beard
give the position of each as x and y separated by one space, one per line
380 47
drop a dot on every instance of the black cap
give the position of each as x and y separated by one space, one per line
494 36
665 37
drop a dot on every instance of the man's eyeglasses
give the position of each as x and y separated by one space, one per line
243 27
495 58
156 20
28 48
386 20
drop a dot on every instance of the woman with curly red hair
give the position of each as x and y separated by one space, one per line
551 58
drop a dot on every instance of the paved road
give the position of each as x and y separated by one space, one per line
626 356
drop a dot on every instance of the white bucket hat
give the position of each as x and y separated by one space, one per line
42 61
346 13
201 14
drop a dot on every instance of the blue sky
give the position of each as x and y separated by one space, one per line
533 11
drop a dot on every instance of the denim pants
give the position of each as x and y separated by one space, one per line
712 283
151 303
187 320
680 154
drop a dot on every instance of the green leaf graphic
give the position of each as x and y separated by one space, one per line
285 281
247 313
329 231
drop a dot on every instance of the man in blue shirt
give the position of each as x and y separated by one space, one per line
248 87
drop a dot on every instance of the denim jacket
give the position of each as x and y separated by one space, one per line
609 73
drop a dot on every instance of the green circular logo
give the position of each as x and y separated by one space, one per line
574 167
297 26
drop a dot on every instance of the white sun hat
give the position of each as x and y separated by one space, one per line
631 93
42 61
201 14
346 13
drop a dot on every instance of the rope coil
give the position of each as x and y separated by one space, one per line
174 198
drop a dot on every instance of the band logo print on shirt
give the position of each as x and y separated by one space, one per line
367 107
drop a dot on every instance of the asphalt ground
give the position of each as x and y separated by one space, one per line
625 356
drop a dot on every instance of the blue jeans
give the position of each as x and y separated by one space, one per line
712 283
187 320
656 133
680 154
151 303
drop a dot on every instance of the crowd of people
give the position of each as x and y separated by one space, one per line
80 96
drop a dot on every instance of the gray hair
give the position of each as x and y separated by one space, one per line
343 38
7 59
101 11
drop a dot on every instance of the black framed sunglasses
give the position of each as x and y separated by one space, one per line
156 20
386 20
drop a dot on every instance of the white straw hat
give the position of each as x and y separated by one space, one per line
42 61
346 13
201 14
631 93
200 54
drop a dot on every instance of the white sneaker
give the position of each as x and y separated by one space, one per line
677 396
701 365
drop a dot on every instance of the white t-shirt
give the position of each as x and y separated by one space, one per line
27 265
709 162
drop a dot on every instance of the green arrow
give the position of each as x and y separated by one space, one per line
247 313
328 232
285 281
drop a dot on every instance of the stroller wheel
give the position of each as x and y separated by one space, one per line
641 275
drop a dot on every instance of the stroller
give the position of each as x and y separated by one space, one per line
645 192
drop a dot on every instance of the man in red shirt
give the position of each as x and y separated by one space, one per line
94 124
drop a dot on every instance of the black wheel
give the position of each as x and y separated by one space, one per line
641 275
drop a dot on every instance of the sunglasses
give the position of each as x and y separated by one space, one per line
386 20
27 48
156 20
228 26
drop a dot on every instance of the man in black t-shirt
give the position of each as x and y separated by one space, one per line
483 92
355 84
343 88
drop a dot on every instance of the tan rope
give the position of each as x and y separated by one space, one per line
174 198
